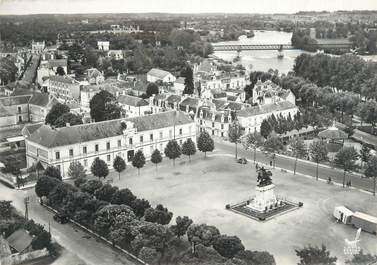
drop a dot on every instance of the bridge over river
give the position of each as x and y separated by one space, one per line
256 47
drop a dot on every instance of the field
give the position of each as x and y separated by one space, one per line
202 188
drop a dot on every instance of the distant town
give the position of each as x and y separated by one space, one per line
233 139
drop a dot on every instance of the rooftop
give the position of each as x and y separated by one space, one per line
63 79
158 73
20 240
48 137
132 101
267 108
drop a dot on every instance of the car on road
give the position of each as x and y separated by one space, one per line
61 218
242 160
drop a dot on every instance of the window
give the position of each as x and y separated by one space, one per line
84 150
119 143
70 152
222 134
96 147
201 122
161 135
213 124
57 155
130 141
222 126
58 167
19 109
108 146
170 134
161 147
213 132
141 139
151 136
85 163
180 142
108 158
151 149
180 131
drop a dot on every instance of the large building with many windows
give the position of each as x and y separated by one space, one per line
59 147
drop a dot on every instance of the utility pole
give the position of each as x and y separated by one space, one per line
26 202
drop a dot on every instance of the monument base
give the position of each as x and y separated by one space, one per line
264 199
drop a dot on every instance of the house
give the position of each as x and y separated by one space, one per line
39 105
179 85
216 123
135 106
20 241
238 95
59 147
94 76
155 75
116 54
50 68
268 92
38 47
103 45
64 88
14 110
190 105
252 118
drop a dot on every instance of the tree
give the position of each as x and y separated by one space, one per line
158 215
205 143
188 148
103 106
298 148
6 209
52 172
202 234
105 193
273 144
138 161
364 154
152 89
41 241
139 206
123 196
265 129
252 141
371 171
149 255
68 118
79 181
234 133
256 257
119 165
346 158
318 152
45 185
173 150
156 157
315 255
181 226
189 81
228 246
91 186
76 170
60 71
99 168
55 112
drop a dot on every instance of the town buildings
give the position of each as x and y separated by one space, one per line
103 45
122 137
135 106
38 47
64 88
155 75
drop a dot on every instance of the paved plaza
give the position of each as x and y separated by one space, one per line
202 188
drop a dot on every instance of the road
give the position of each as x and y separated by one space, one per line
74 240
303 167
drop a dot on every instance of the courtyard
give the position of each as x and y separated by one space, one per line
201 188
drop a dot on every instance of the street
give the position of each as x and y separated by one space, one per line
303 167
74 240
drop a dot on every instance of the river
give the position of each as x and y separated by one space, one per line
264 60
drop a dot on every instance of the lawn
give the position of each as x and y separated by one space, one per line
202 188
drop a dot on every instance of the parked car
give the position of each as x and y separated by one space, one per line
242 160
61 218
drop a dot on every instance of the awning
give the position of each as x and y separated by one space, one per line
15 139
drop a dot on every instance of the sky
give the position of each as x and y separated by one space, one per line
180 6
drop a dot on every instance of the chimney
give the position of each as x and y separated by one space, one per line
67 124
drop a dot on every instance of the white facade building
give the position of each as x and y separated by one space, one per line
155 75
103 45
122 137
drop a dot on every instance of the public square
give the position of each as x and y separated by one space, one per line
201 188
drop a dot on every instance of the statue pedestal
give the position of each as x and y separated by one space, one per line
265 197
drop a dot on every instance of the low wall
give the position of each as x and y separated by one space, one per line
17 258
